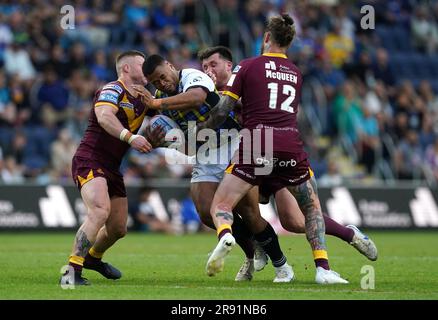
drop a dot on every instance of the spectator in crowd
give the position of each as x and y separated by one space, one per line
427 136
100 68
17 61
8 111
62 151
18 147
146 215
381 68
348 113
376 100
369 140
431 158
424 30
52 98
338 46
11 172
408 157
332 178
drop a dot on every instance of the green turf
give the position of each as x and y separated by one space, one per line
172 267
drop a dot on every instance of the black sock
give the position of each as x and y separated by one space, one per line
243 236
89 259
268 240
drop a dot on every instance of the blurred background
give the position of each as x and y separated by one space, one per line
369 110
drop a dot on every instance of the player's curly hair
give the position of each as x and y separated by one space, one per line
282 29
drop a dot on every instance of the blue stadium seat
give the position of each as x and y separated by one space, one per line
35 162
402 64
433 65
434 85
420 65
402 38
39 141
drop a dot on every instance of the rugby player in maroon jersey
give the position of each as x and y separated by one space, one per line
113 124
270 88
217 62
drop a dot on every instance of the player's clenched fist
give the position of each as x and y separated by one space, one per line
140 144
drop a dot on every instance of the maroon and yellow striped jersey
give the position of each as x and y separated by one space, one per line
270 89
98 144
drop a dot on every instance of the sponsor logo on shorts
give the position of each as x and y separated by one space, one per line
108 96
114 87
276 162
299 178
243 173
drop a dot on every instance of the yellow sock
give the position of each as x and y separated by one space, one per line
77 260
320 254
223 227
95 254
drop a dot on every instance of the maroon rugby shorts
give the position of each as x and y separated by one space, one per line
289 174
84 170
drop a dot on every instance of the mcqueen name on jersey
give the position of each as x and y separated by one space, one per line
281 76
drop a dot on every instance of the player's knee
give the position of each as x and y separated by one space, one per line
103 207
292 225
99 212
117 232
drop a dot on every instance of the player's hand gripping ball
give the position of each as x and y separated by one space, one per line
167 125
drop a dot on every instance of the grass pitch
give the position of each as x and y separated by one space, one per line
172 267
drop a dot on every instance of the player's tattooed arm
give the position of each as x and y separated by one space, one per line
82 244
219 113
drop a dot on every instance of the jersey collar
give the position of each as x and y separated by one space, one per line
278 55
123 84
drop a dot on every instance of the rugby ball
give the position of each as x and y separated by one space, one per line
167 124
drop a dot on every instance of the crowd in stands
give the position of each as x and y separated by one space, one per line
369 109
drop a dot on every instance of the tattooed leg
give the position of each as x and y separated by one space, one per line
82 244
228 194
84 239
307 198
306 195
223 218
223 214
